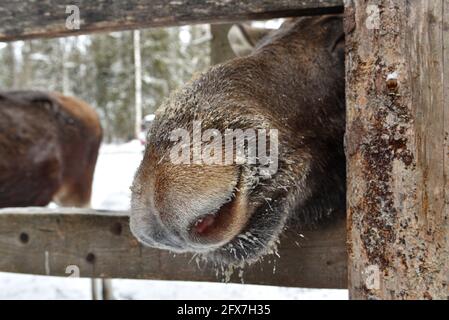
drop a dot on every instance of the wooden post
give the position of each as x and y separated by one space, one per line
397 143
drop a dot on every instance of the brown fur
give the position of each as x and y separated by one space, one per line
293 82
49 146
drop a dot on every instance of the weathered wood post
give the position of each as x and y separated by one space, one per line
397 144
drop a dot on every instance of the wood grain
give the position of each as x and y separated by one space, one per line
397 149
25 19
47 242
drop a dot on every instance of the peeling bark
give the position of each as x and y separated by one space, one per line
397 77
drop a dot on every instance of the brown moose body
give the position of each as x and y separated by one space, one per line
49 145
293 84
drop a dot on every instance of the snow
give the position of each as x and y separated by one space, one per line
392 76
136 289
114 174
184 35
115 171
149 117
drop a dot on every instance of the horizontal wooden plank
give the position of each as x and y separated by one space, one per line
99 244
25 19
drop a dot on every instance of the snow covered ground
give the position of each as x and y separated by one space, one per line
115 171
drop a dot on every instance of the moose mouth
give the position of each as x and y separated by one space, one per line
221 226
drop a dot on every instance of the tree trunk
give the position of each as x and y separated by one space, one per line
65 68
26 73
137 83
12 65
220 50
397 141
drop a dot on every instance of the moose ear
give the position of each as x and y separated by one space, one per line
338 47
243 38
334 35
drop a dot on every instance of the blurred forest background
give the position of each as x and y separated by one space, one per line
123 75
101 69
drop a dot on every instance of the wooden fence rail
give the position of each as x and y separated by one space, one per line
99 244
25 19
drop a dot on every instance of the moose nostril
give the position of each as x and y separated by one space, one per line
219 226
203 225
